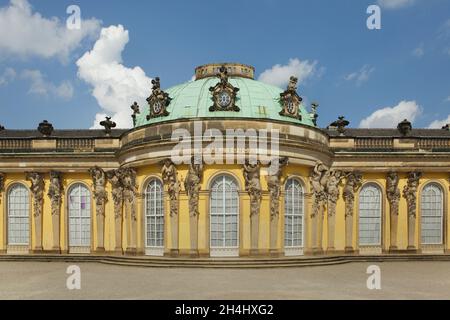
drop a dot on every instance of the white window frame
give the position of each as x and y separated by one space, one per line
379 216
152 215
290 211
441 212
79 244
23 214
224 251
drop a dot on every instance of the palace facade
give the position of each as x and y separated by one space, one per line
334 191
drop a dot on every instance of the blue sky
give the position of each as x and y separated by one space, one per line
349 69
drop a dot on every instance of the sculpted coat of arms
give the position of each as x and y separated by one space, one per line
224 94
290 100
158 101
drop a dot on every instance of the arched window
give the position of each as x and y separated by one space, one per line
79 199
431 212
154 217
224 217
293 214
370 215
18 215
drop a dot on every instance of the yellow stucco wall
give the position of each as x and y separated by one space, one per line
210 171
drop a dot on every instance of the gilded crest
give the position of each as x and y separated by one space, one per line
290 100
158 101
224 94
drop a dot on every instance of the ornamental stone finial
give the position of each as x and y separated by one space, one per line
108 125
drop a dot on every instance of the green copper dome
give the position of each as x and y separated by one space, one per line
255 99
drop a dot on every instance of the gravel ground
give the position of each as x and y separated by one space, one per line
399 280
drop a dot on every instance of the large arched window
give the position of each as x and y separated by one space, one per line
431 211
293 214
79 199
18 215
154 218
370 215
224 217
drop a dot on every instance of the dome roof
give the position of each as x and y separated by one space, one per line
255 99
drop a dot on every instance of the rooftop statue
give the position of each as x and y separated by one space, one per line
136 111
108 124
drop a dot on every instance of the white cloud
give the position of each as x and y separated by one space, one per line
389 117
24 33
40 86
419 51
395 4
360 76
115 87
279 75
448 99
438 124
7 76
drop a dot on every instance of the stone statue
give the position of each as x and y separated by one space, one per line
108 125
410 192
332 190
253 185
170 179
136 111
292 85
55 191
2 184
223 75
318 180
314 114
352 185
100 194
128 177
115 177
274 185
37 189
192 186
393 191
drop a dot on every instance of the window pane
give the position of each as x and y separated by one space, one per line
154 214
79 216
293 214
431 214
224 212
18 215
370 215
